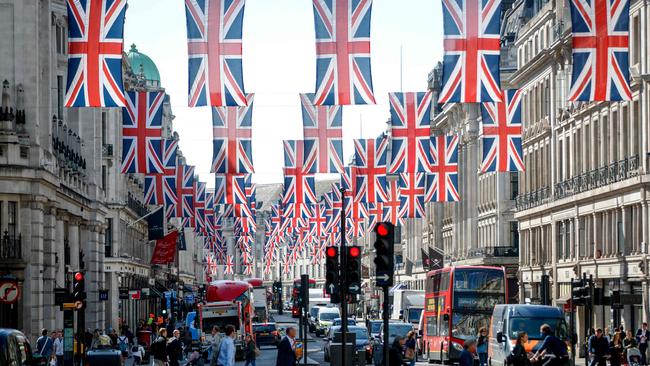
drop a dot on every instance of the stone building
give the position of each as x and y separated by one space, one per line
64 206
583 200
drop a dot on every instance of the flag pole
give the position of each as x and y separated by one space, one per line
144 217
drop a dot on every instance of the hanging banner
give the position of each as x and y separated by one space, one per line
182 244
165 250
436 258
156 223
426 262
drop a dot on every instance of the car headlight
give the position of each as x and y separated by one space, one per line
457 346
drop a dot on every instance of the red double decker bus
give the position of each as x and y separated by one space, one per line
458 302
295 290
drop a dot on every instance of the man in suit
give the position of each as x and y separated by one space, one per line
642 337
286 349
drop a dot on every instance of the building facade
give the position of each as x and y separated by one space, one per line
64 205
583 200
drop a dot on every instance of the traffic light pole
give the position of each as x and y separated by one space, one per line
385 310
342 275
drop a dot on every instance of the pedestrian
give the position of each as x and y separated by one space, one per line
629 341
137 351
227 351
251 351
287 349
87 338
58 348
395 351
215 346
123 345
642 336
468 354
616 350
607 334
128 333
175 349
409 348
112 335
44 345
95 339
552 351
158 348
598 349
482 346
518 356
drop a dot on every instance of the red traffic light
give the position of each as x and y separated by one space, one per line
354 252
78 276
331 252
382 229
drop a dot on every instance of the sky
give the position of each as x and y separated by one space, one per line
279 59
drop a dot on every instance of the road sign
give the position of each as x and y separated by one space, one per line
9 292
69 306
354 289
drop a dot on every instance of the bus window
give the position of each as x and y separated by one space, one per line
432 326
443 327
444 281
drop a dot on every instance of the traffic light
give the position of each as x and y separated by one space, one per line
545 290
79 290
331 270
580 291
353 269
385 252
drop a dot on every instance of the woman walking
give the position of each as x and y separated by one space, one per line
251 350
518 356
409 351
482 346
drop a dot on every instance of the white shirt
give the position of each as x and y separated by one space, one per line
58 346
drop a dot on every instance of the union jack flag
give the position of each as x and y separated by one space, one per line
298 182
322 127
170 149
214 47
219 189
231 188
501 127
142 140
412 191
232 130
355 213
410 120
209 215
230 265
95 37
343 74
199 206
317 220
392 209
160 189
370 163
375 213
472 43
442 183
184 191
600 30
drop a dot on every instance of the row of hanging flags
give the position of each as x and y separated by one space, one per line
421 168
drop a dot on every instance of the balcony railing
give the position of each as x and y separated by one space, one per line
10 247
136 206
583 182
505 251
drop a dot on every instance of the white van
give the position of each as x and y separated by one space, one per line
324 320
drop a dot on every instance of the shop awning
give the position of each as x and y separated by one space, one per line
399 286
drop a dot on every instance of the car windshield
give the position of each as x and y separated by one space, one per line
313 312
361 333
399 329
532 325
328 316
414 315
263 327
465 325
375 327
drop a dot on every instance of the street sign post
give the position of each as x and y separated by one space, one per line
68 337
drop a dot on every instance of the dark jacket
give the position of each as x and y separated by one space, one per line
158 349
598 346
466 358
395 355
250 351
286 355
174 351
518 356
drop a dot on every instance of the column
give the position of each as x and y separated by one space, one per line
543 248
606 238
472 179
73 242
49 275
644 226
60 263
627 238
31 218
596 238
93 259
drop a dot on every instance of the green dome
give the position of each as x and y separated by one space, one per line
142 64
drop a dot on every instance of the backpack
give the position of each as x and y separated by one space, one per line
134 349
123 343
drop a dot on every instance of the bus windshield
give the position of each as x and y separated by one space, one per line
532 325
478 280
465 325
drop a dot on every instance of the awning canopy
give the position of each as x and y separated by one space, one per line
399 286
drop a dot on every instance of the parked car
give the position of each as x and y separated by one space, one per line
16 350
266 334
374 327
362 341
338 321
